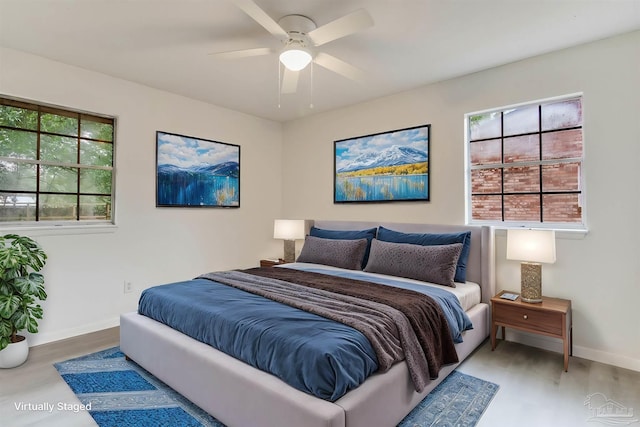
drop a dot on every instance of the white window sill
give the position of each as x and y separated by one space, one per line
561 233
58 229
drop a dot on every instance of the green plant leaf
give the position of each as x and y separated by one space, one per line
6 328
26 300
29 285
36 312
25 317
21 285
24 285
32 325
8 305
36 278
20 320
5 287
21 252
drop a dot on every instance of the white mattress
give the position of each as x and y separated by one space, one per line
468 293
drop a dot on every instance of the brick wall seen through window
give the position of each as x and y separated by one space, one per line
525 164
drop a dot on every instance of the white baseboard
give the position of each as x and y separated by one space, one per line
618 360
555 344
43 338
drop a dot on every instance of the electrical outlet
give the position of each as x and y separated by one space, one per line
128 287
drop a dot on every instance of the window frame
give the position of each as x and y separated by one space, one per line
504 224
72 226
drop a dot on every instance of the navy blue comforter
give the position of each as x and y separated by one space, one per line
311 353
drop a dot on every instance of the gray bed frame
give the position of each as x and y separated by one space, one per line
242 396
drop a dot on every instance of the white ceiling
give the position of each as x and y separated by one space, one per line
165 43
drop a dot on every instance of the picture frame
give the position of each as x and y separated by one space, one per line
383 167
196 172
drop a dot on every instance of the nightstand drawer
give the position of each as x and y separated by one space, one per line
530 319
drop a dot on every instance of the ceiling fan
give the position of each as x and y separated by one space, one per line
300 36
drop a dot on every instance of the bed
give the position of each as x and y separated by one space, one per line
240 395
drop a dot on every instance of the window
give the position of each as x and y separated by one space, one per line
56 165
525 164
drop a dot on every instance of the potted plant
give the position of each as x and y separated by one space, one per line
21 287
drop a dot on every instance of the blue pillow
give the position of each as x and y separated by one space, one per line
368 234
429 239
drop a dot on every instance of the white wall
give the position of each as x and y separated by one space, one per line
85 272
600 272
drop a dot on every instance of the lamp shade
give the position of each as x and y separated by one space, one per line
288 229
531 245
295 58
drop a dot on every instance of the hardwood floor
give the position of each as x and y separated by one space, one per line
536 392
534 389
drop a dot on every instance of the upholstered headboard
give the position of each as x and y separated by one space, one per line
481 264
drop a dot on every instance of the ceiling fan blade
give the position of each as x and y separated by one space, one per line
261 17
244 53
290 81
339 66
348 24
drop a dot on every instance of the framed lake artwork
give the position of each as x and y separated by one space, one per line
383 167
195 172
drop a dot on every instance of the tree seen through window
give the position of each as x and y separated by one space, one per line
55 164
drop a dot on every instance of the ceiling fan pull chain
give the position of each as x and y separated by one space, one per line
311 86
279 83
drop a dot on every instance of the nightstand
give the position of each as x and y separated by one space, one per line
271 262
551 317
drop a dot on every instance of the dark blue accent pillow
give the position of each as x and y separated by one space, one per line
428 239
368 234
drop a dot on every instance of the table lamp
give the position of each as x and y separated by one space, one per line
533 247
289 230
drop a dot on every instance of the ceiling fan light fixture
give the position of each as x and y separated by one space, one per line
295 58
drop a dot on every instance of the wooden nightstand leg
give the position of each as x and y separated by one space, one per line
494 331
566 338
571 341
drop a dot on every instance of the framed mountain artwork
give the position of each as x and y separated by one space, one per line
195 172
383 167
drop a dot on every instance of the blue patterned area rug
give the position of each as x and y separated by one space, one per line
119 393
459 400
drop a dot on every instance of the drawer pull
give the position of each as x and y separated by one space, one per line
525 317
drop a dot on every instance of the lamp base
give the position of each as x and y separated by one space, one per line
531 282
289 250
